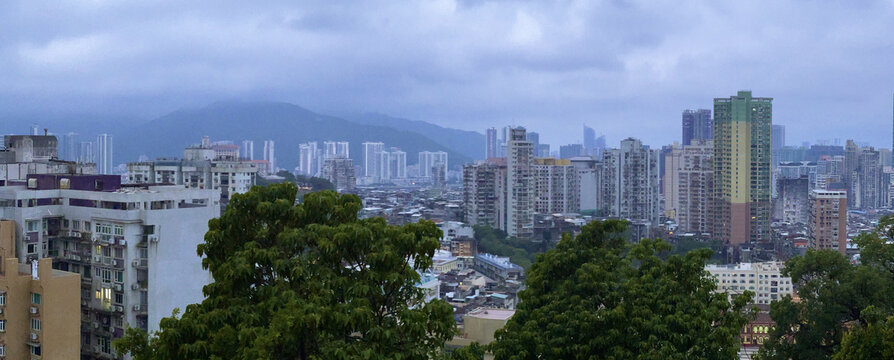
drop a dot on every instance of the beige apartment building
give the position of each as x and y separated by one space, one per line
40 315
827 220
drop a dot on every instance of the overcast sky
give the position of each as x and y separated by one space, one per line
626 68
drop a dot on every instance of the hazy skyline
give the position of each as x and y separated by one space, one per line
626 68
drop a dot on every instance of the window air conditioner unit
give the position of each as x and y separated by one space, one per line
33 336
34 310
135 286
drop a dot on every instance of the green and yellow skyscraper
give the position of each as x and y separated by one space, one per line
742 156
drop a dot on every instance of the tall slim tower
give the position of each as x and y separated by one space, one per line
742 156
520 186
269 156
589 140
248 149
490 143
371 152
104 154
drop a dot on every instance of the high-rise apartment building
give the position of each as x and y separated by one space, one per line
791 202
431 162
742 156
40 306
689 181
87 152
827 220
309 159
867 186
397 163
70 152
630 183
248 150
520 185
542 150
333 149
384 163
270 156
491 146
589 140
697 125
134 247
557 187
778 138
484 185
340 172
571 150
104 154
589 174
371 156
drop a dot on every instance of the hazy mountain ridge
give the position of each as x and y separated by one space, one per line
468 143
287 124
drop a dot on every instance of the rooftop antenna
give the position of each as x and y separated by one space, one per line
44 131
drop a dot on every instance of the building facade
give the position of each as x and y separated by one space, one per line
484 186
558 187
39 307
630 183
827 220
742 155
689 180
697 125
340 172
764 279
134 246
520 185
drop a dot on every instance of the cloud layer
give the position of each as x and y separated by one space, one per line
627 68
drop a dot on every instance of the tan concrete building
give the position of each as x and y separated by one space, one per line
688 183
827 220
481 324
40 315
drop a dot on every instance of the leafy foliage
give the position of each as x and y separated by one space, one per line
594 296
835 296
520 252
307 281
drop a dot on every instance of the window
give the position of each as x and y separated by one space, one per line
2 325
119 276
106 276
35 324
119 298
32 225
31 248
2 299
2 350
104 344
35 298
119 230
35 350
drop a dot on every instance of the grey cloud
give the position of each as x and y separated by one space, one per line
625 67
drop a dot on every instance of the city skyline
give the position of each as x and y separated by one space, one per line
540 64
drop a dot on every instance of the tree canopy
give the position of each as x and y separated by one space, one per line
306 281
843 307
594 296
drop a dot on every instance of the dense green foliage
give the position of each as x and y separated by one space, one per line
842 306
307 281
594 296
520 252
684 245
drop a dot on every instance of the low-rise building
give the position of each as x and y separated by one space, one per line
764 279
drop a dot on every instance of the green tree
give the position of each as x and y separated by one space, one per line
594 296
834 298
308 281
875 340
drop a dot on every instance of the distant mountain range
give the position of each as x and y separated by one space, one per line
288 125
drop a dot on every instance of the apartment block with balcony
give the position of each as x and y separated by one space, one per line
39 306
134 246
827 220
764 279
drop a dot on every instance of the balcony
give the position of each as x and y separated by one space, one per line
140 263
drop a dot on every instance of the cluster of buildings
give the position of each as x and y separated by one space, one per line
85 256
389 166
731 179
